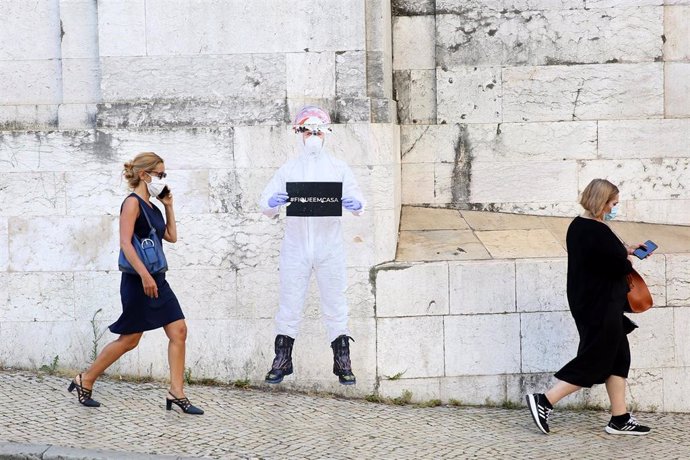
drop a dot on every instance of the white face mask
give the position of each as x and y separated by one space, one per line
313 145
156 185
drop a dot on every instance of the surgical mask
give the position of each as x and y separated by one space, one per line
611 215
156 185
313 145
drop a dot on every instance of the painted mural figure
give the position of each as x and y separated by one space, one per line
312 244
148 301
597 288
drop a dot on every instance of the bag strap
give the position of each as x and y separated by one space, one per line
141 206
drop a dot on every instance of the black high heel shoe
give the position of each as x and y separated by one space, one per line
183 403
83 394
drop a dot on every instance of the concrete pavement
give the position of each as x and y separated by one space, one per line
40 419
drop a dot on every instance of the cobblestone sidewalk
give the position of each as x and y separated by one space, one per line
37 409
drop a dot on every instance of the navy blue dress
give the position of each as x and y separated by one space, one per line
140 312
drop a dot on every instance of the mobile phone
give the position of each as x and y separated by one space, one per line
164 193
649 247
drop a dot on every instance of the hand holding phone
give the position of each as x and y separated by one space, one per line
644 251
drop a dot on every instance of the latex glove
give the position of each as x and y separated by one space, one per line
351 204
278 199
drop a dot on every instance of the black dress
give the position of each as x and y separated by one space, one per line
140 312
597 294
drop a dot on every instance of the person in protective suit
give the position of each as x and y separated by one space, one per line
312 244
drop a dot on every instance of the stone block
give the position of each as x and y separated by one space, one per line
422 390
28 451
310 75
39 297
673 212
76 116
645 388
678 280
677 89
583 92
414 42
79 21
653 270
352 110
675 389
474 390
97 290
363 144
412 7
262 303
681 322
84 243
652 345
532 141
32 194
430 143
641 179
29 33
469 95
548 341
122 28
263 146
173 27
482 344
482 287
368 237
524 181
677 33
80 81
379 74
383 111
4 244
637 139
428 245
482 37
29 82
202 77
376 184
350 74
207 294
521 244
425 359
541 285
416 290
418 183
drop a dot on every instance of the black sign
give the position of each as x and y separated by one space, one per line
314 199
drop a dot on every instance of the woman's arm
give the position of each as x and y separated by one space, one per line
170 224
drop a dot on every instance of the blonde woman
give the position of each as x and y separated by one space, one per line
148 302
598 263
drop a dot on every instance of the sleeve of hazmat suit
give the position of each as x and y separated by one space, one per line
351 189
275 185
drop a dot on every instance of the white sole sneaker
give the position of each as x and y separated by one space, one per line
534 410
611 430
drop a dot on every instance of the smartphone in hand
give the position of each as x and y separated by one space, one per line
649 247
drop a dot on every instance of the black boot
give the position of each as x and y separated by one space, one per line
342 367
282 363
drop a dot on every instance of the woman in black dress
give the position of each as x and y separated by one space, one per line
148 302
598 263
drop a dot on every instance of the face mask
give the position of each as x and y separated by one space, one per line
313 145
611 215
156 185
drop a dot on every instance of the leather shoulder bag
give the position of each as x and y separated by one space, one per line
149 250
639 297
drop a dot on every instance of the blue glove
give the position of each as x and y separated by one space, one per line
351 204
278 199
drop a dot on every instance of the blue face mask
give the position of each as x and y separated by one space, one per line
611 215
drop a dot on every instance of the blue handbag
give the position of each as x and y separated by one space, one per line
149 250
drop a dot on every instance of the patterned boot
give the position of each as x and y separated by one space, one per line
282 363
342 367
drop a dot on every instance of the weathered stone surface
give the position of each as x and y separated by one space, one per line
361 144
98 290
416 96
76 116
482 344
30 82
643 138
4 244
482 287
532 141
480 36
414 42
214 77
383 110
641 179
674 212
422 390
412 7
310 75
264 146
237 191
379 74
548 341
83 243
79 22
351 74
677 33
653 270
20 117
675 388
429 143
540 285
678 280
519 244
234 27
368 237
425 359
80 81
417 290
677 89
418 183
681 322
469 95
122 28
32 194
352 110
38 297
441 245
376 183
524 181
207 294
645 387
584 92
652 345
474 389
29 32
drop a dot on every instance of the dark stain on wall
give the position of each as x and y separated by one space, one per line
462 169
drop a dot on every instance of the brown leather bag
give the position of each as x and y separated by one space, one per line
639 297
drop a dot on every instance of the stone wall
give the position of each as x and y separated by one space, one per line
210 85
515 105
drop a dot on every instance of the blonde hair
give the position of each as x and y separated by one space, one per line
145 161
596 195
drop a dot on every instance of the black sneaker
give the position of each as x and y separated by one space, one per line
630 427
540 408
